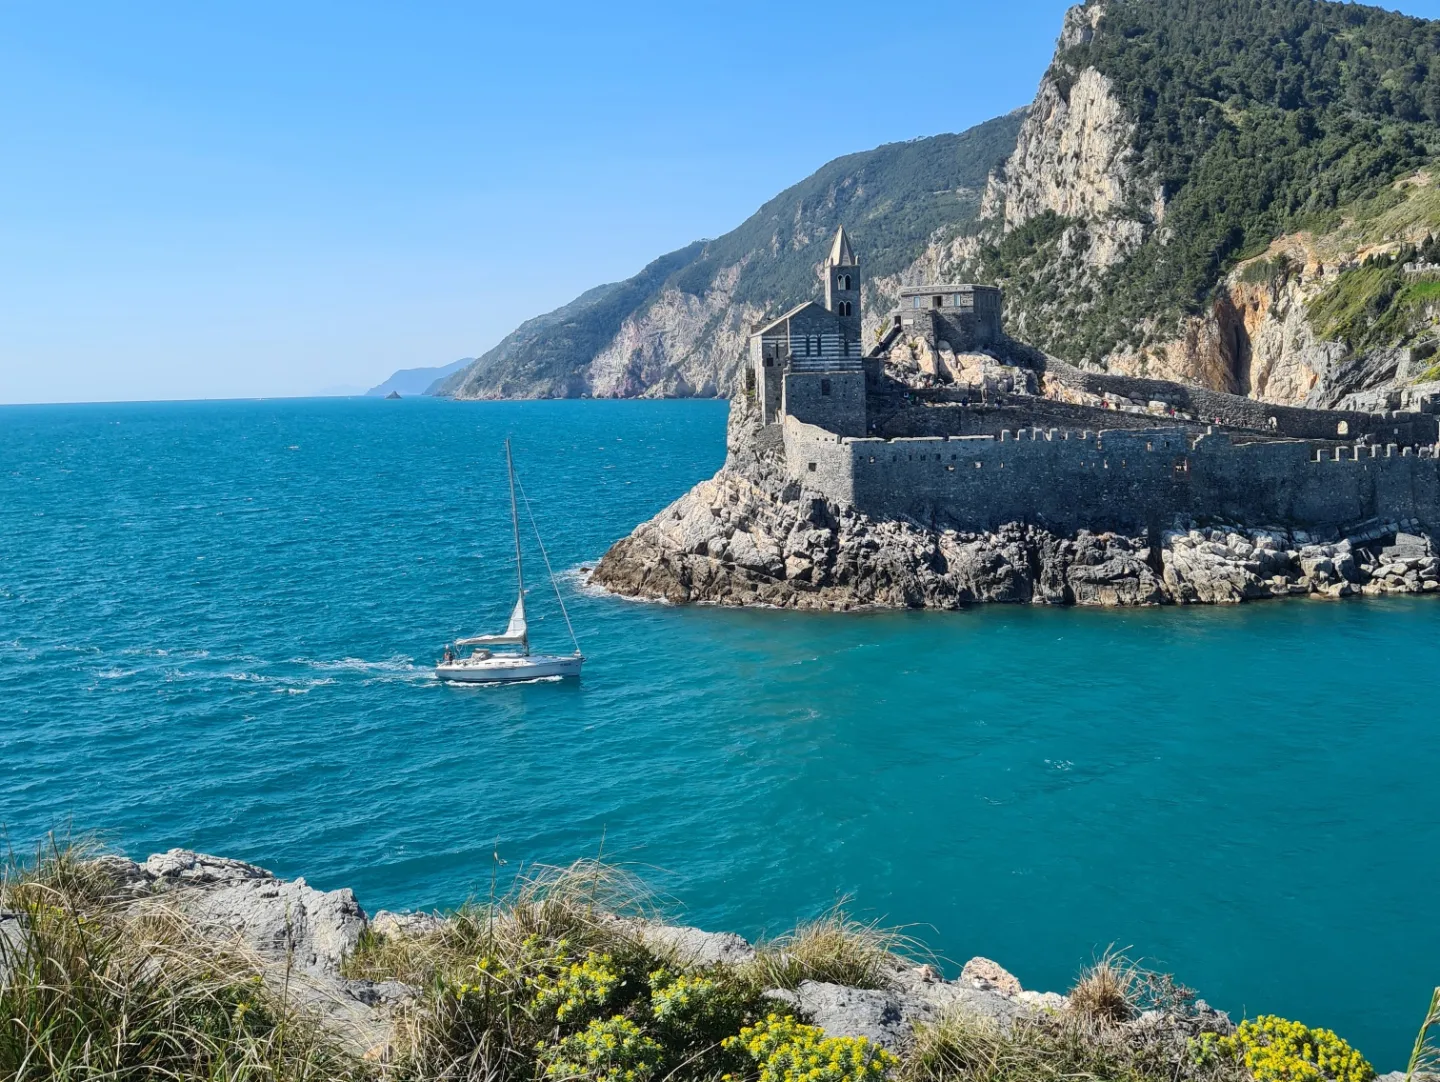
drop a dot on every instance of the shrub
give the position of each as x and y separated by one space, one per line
610 1051
579 990
1277 1050
787 1051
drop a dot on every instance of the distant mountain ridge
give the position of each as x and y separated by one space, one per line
417 380
678 328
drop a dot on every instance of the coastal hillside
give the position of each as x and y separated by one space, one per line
1227 192
1231 193
678 327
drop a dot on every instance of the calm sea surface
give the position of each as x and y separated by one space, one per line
217 621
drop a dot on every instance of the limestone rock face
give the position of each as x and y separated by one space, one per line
888 1016
987 976
1073 153
12 941
680 345
386 923
694 947
279 919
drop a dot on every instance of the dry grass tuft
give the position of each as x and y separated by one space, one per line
98 984
963 1047
1108 991
834 949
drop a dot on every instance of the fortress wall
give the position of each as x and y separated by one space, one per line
990 419
1288 421
981 483
819 460
833 400
1133 481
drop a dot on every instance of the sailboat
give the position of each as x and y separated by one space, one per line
486 666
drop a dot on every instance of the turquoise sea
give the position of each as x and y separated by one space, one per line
217 620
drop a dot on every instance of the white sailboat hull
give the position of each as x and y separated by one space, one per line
507 668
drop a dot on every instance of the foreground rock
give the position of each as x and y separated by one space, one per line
749 537
284 921
300 937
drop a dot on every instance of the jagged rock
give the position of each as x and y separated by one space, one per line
200 869
850 1012
889 1016
379 993
990 976
694 947
12 942
281 920
400 925
1043 1002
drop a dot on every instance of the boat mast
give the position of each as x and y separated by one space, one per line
515 527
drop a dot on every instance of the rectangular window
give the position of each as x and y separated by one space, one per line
812 467
824 386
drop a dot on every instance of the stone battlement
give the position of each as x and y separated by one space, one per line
1127 480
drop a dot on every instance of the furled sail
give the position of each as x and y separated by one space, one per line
515 632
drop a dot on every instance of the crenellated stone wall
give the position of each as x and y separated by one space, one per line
1130 481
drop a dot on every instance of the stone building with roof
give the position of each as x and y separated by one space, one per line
807 361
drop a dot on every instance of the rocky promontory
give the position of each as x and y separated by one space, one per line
752 536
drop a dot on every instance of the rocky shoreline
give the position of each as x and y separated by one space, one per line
319 955
304 936
750 537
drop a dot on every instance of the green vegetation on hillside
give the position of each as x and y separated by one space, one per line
891 200
1377 303
1257 117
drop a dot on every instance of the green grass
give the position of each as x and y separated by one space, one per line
1376 305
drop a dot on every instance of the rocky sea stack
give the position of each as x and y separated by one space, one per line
751 535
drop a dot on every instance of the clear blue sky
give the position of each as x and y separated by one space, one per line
212 200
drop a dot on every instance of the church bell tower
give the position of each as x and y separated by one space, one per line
842 290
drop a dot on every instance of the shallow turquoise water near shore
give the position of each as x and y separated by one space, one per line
216 621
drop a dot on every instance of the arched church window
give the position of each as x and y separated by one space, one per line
843 281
